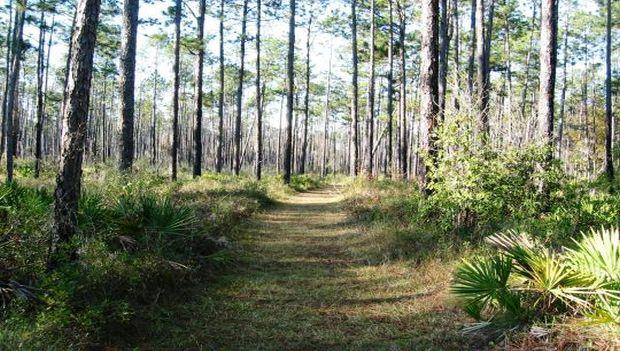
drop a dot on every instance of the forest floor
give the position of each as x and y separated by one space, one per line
298 286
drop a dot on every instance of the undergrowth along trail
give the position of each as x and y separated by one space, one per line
299 287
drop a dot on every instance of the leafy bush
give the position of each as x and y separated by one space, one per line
525 281
305 182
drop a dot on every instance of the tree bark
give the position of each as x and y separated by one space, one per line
563 92
370 126
7 69
472 46
444 45
609 165
40 75
483 37
390 92
237 137
290 90
429 108
127 82
528 59
457 52
75 112
304 143
11 111
259 95
327 112
198 91
154 117
175 97
219 159
355 162
548 62
404 145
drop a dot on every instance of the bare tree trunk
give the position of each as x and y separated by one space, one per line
483 37
457 52
127 82
198 91
370 127
528 59
473 45
290 90
548 62
11 111
429 108
279 151
304 143
259 95
404 145
40 75
609 165
75 112
444 45
237 137
7 69
327 112
175 98
219 162
154 120
563 93
355 162
390 102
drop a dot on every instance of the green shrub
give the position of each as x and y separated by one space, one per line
305 182
141 239
525 281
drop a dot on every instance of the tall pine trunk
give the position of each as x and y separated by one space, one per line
548 62
259 97
609 165
127 82
154 116
200 22
75 113
175 98
237 136
561 121
327 112
390 92
304 143
7 68
471 63
370 121
219 158
429 89
40 76
404 145
444 45
290 90
11 111
482 51
355 157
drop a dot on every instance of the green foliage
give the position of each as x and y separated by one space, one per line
525 281
305 182
141 240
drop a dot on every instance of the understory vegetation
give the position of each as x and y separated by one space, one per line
532 265
143 242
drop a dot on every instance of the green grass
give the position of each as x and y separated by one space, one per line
299 285
144 243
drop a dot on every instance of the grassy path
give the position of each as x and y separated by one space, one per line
299 288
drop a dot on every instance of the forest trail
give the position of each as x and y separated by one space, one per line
298 287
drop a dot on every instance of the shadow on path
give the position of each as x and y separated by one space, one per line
298 287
